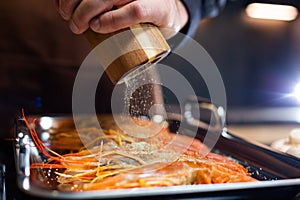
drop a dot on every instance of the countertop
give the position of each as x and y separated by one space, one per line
262 133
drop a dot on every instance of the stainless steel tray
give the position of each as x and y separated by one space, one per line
279 173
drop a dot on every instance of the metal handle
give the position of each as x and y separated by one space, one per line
23 154
2 182
201 112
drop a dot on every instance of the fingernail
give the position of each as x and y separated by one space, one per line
73 27
95 24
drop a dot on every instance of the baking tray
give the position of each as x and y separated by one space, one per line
279 173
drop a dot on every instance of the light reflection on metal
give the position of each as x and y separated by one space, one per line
20 135
297 91
298 116
272 11
46 122
45 136
26 159
26 184
158 119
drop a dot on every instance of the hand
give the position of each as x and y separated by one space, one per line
100 16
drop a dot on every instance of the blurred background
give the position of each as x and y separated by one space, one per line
259 60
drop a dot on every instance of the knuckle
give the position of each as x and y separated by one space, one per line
113 21
90 4
139 11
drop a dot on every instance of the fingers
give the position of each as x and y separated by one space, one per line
169 15
128 15
102 18
89 9
86 11
80 12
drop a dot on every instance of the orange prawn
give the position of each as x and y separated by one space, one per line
121 161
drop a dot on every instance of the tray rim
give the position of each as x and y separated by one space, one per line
153 191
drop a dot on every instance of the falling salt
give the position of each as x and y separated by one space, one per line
142 91
143 99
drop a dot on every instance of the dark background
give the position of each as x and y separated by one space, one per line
259 59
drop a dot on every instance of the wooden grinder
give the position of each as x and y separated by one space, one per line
128 51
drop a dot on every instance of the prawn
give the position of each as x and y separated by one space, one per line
115 160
